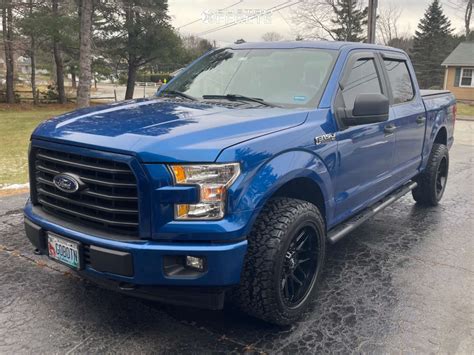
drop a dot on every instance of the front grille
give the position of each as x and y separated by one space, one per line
108 202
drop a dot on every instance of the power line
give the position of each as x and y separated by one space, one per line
199 19
270 10
284 19
218 28
452 7
280 6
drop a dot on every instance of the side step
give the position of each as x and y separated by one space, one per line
348 226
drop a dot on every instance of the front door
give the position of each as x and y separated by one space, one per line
365 151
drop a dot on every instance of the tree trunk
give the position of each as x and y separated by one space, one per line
85 59
132 77
33 58
7 22
33 69
467 18
58 59
73 79
132 67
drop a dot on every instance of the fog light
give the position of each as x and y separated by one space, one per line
195 262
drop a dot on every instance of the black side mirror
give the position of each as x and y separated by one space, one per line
368 108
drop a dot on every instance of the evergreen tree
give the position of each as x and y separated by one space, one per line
138 32
432 44
348 21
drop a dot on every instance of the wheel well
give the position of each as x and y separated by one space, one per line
442 136
303 189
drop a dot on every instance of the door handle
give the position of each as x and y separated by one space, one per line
389 129
420 120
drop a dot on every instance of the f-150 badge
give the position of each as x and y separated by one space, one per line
325 138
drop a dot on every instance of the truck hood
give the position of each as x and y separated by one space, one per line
164 130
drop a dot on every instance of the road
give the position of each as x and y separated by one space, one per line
402 282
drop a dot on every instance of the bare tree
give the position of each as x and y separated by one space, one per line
85 59
404 42
58 60
331 19
313 18
272 37
32 54
388 23
7 26
467 17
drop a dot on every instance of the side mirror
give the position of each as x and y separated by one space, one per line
368 108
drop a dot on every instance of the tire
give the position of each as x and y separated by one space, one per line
288 238
432 181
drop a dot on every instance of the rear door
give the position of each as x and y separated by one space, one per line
365 151
409 115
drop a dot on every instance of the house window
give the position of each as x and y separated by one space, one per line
466 77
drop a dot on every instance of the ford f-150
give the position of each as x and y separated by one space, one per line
232 180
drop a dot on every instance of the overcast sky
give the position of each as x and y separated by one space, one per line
203 15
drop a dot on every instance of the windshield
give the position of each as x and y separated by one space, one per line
284 77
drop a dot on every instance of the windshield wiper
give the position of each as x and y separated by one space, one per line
237 97
178 93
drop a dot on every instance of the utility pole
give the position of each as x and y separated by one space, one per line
371 21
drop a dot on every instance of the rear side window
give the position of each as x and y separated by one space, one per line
400 81
363 79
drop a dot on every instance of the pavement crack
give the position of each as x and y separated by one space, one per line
39 263
11 212
78 345
221 337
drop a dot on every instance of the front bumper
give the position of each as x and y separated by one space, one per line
142 262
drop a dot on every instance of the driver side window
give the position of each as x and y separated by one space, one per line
363 79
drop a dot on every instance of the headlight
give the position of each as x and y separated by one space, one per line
213 181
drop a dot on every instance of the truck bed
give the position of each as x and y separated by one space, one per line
426 93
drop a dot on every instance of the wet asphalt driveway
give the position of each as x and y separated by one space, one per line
404 281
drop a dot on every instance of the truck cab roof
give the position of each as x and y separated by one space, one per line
331 45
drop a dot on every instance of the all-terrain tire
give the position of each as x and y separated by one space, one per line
261 292
432 181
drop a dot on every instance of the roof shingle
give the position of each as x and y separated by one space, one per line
463 55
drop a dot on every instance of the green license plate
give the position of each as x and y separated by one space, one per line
64 250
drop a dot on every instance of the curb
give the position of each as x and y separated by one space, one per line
465 118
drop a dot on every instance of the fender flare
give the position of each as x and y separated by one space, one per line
259 185
439 123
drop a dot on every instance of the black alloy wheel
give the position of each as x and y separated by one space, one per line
299 268
284 260
441 178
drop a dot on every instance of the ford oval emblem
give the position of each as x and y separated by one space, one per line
66 183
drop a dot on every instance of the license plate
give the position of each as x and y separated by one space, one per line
64 250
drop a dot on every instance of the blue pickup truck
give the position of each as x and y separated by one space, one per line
231 181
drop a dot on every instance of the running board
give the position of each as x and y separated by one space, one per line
348 226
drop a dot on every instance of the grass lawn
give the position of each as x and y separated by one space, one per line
465 109
16 124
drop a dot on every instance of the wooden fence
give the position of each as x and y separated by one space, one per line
27 96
